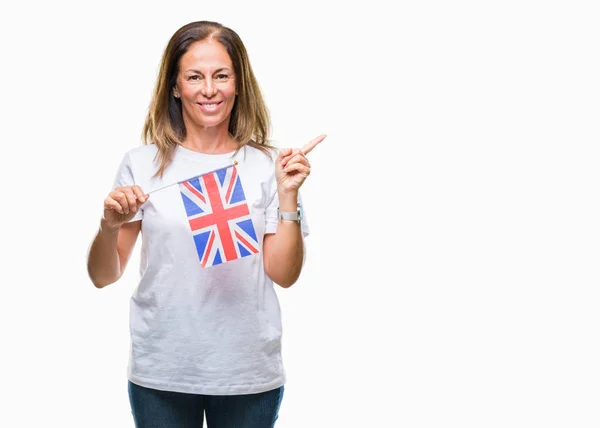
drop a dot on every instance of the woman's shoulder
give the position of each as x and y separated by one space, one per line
142 157
266 154
142 152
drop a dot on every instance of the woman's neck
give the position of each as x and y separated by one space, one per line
210 141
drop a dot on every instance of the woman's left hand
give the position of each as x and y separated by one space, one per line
292 167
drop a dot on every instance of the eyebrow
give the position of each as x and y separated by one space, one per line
199 72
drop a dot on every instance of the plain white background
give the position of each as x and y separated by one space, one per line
452 271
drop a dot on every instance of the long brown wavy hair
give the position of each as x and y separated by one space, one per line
249 122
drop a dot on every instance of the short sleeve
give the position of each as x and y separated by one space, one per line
125 177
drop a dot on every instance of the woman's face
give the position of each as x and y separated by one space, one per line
206 85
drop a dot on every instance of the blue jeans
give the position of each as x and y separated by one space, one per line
152 408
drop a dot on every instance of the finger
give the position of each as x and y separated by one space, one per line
306 149
131 199
111 204
121 198
287 158
299 158
139 194
283 153
298 168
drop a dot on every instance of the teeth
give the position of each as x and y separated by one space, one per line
210 105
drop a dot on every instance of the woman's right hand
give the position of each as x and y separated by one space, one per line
121 205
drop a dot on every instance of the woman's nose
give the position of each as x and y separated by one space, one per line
209 88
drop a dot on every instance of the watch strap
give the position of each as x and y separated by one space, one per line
287 215
283 215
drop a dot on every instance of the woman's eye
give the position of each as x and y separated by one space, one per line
194 78
222 76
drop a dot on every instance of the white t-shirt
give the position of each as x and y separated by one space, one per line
205 317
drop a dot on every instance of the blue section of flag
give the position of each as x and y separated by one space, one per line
238 193
190 207
243 251
217 260
221 174
195 182
201 240
248 227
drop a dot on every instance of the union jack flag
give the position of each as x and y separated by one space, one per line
219 217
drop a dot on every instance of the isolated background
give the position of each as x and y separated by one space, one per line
452 272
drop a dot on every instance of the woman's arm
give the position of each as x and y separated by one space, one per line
110 252
283 251
112 246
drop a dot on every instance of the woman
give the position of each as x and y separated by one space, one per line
220 215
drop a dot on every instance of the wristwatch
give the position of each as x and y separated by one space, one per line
293 216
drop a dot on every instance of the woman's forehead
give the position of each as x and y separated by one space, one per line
205 54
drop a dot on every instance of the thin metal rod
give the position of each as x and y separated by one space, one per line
188 179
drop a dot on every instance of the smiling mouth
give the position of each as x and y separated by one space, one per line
210 104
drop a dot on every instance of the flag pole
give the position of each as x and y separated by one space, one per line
187 179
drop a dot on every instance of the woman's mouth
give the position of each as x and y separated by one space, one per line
210 107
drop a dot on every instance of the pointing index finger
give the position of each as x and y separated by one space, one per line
312 144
